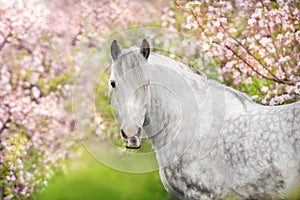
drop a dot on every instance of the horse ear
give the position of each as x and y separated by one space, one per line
145 49
115 50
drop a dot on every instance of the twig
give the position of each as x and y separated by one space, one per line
75 38
5 41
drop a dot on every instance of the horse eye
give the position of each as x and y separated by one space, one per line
113 84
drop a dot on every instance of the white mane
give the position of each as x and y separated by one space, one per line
156 58
235 97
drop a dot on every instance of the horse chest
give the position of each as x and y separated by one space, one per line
191 180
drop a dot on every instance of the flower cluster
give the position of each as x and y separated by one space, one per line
98 19
34 127
41 49
255 42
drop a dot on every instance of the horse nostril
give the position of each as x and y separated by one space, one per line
113 84
139 132
123 134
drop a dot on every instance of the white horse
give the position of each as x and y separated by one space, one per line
211 141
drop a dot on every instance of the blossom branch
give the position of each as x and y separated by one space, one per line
275 78
256 71
5 40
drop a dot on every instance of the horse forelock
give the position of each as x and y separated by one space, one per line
130 57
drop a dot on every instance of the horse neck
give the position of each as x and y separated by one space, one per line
167 127
161 118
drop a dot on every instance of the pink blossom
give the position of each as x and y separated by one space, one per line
39 45
251 21
266 47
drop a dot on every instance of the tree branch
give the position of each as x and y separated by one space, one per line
5 41
257 60
256 71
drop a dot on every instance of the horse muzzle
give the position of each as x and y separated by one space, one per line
131 138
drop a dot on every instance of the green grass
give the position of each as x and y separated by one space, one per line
89 179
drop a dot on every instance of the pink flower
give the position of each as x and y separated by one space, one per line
251 21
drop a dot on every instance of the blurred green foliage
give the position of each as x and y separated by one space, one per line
89 179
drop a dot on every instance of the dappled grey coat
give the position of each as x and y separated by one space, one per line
241 149
211 141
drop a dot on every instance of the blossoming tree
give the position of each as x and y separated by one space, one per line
256 43
41 49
